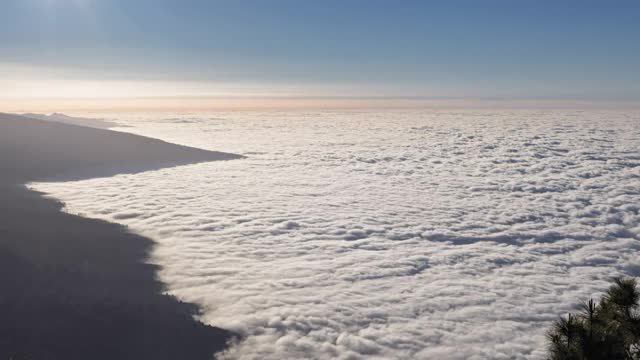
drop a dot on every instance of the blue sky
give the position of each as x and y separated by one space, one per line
456 48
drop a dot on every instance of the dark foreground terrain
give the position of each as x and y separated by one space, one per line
76 288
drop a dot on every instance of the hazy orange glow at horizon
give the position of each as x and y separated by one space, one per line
203 104
26 88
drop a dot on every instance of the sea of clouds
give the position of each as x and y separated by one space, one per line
430 235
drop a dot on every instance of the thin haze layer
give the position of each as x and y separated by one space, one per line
451 235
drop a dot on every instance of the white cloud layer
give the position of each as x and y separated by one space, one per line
386 235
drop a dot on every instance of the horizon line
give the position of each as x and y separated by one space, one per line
308 102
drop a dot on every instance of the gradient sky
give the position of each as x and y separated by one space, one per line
560 49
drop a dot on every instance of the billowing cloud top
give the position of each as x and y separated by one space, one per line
386 235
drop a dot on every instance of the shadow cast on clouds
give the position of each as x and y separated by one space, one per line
76 288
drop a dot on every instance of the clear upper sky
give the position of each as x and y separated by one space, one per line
454 48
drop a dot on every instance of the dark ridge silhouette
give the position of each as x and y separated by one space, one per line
76 288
